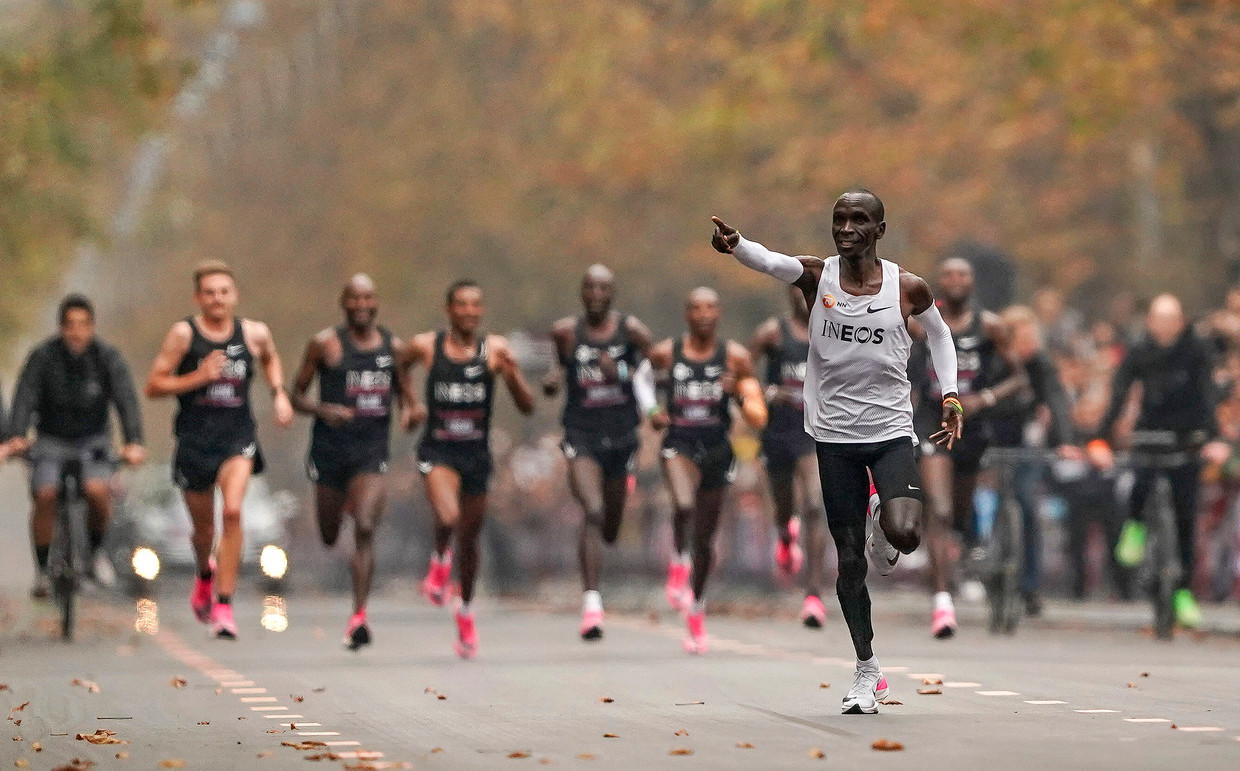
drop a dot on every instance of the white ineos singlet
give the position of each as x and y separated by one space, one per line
856 383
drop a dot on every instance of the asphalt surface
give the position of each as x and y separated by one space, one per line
536 694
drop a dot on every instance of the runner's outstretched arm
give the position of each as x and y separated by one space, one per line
754 255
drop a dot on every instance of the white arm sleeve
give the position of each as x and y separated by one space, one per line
643 387
942 348
756 256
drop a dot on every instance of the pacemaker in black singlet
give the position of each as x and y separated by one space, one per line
600 417
698 415
977 364
362 381
784 440
459 397
215 422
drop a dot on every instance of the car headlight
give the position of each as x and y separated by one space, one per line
275 613
145 563
273 562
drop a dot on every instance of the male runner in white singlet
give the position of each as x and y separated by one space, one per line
857 405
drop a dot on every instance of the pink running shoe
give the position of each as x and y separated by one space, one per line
435 585
695 640
943 623
875 502
222 624
881 690
466 645
357 634
677 589
592 625
788 556
202 596
813 612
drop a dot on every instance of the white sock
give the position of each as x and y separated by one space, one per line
464 609
943 600
685 558
871 664
443 559
698 606
592 601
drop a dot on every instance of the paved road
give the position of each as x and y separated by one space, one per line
1049 696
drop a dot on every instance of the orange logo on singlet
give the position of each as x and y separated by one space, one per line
828 301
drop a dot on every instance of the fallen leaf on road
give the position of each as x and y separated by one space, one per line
306 745
4 686
441 697
36 747
17 738
545 761
1174 726
292 726
932 681
21 762
886 745
122 755
320 689
436 749
77 764
323 756
274 731
824 685
20 707
518 754
102 736
607 700
585 756
204 722
892 703
264 754
744 746
680 751
816 754
90 685
1132 685
1145 674
178 682
682 732
611 736
172 763
298 699
15 722
218 691
930 691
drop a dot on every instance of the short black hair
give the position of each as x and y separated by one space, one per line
456 286
75 301
882 212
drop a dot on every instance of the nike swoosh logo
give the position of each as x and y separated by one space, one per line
913 488
872 309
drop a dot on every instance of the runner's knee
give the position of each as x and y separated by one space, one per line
901 523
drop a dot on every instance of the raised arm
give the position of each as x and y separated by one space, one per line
748 390
273 370
163 382
505 363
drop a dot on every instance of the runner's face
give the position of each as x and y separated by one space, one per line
77 330
465 310
955 281
855 225
361 306
217 296
703 314
596 294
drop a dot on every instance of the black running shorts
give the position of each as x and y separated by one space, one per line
715 461
473 464
198 468
335 466
613 454
846 486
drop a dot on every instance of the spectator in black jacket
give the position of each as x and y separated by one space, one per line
1178 396
63 394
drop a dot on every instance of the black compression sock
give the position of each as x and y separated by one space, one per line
42 555
224 599
95 539
206 575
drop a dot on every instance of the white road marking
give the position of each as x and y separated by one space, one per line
1096 711
236 683
268 709
248 690
290 725
997 693
1146 720
279 717
962 685
349 743
255 699
1045 701
318 733
360 754
1200 728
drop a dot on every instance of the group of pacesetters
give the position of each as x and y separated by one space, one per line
839 422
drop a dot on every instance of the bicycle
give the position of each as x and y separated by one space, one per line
1003 564
67 562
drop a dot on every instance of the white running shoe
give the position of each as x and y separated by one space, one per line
882 553
101 570
863 696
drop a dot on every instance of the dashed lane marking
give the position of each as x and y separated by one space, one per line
1096 711
1041 702
1146 720
997 693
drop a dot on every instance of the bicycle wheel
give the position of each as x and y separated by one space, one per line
1164 564
1012 563
63 576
